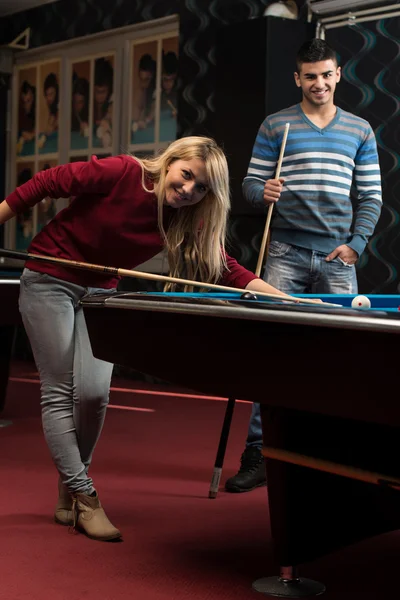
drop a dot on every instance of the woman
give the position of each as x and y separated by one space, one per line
123 212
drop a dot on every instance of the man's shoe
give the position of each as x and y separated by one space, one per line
251 474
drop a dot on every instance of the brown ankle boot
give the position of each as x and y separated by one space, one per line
64 514
92 520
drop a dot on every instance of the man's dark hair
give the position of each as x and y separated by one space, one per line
147 63
103 73
170 63
313 51
52 82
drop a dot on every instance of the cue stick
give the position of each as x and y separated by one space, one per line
152 276
271 205
327 466
223 441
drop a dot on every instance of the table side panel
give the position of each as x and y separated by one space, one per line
328 371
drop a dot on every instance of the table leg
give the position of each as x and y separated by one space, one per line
7 336
288 585
312 512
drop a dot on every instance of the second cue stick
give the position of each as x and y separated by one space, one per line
271 206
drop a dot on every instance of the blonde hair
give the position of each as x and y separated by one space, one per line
195 240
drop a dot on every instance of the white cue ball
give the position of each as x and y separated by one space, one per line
361 302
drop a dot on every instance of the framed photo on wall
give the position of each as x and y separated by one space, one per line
103 102
143 90
80 102
36 135
25 221
47 207
48 108
27 99
92 105
153 102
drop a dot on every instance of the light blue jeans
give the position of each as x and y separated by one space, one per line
74 385
297 270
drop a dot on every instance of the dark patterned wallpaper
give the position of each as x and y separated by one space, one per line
370 88
199 22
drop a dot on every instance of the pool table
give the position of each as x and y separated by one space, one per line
324 378
9 319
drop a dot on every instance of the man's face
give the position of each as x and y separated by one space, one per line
27 101
145 78
50 95
318 81
168 82
78 102
101 93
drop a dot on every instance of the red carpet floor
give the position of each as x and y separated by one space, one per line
152 471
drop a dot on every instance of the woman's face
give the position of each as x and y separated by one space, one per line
186 183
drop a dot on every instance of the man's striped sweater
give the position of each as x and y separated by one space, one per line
319 167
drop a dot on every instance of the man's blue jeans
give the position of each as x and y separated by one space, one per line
297 270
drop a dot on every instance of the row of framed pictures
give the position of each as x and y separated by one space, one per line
28 223
93 101
66 111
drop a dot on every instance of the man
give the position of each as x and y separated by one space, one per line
315 237
143 97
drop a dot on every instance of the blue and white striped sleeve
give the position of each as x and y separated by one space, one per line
262 165
367 178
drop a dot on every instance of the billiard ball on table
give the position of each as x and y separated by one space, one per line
361 302
248 296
